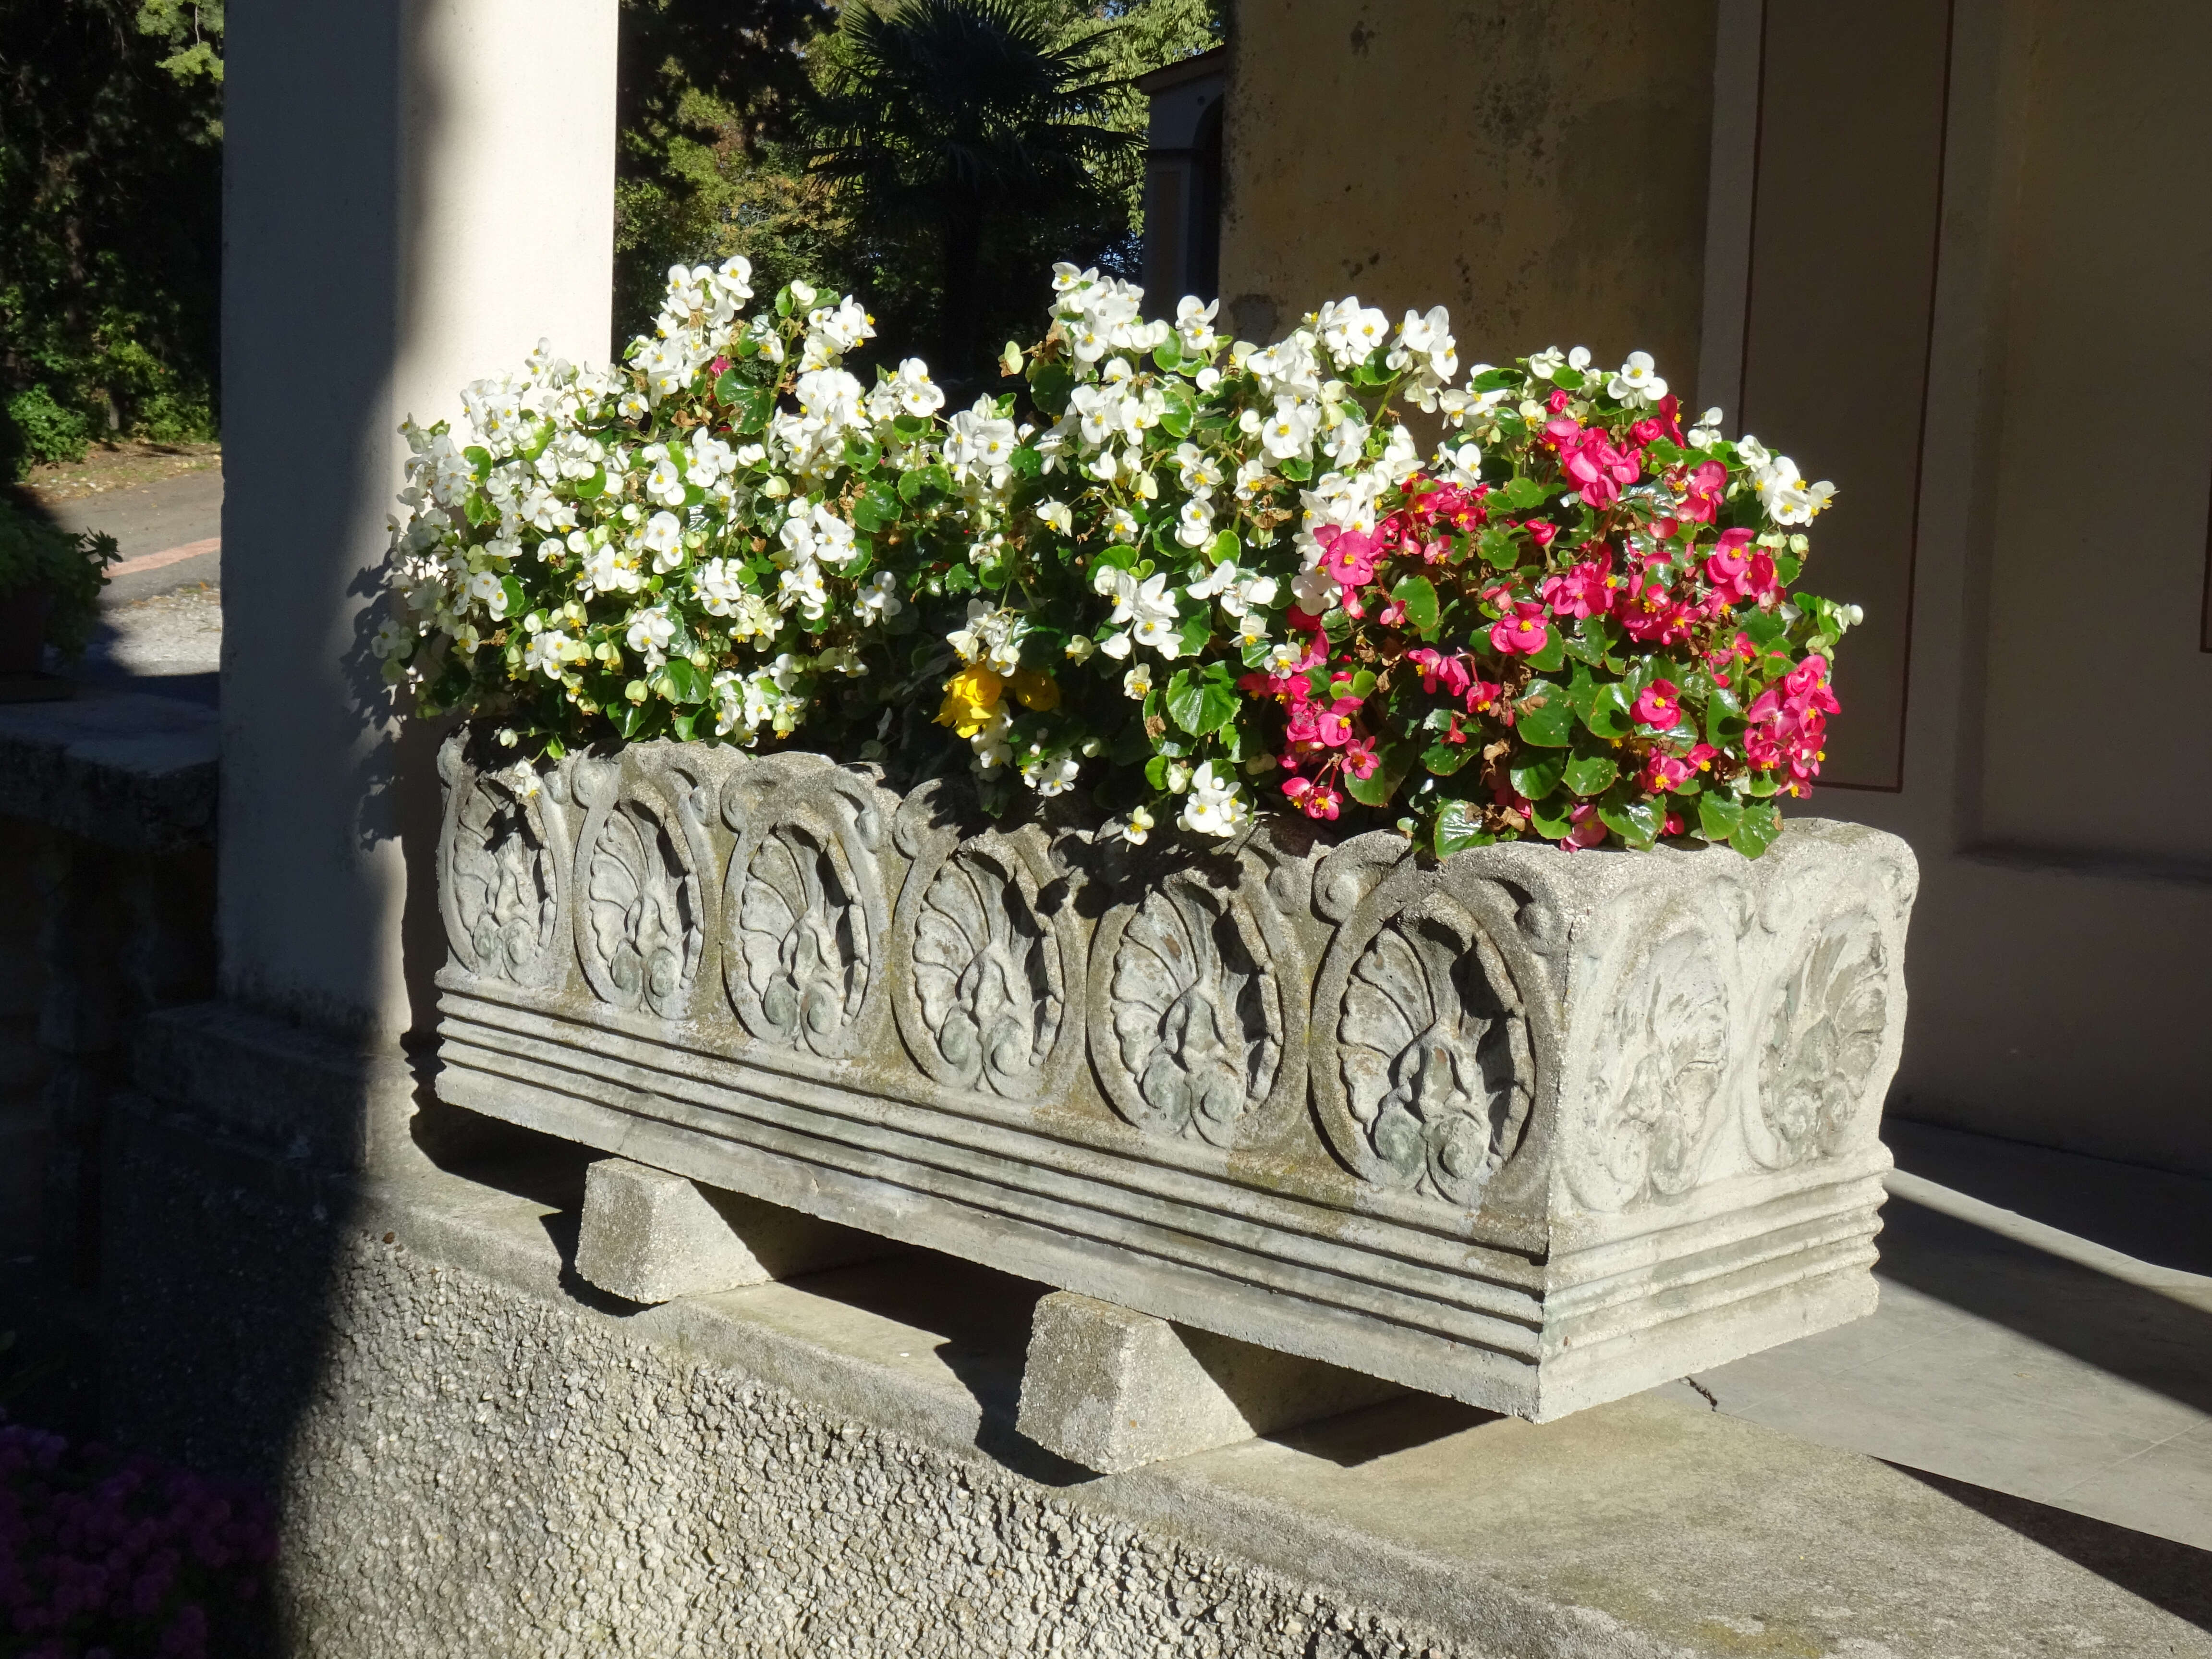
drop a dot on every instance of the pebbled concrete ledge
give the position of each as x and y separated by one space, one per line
484 1456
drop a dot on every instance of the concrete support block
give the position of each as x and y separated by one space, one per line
649 1236
1114 1390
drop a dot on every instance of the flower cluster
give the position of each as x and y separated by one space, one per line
101 1553
1184 575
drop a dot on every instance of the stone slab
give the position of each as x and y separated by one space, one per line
120 767
1114 1390
647 1236
1529 1129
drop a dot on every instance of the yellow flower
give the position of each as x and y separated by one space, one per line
1037 688
971 697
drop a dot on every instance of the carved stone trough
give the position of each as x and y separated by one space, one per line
1530 1128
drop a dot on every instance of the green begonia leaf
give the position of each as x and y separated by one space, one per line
1609 714
688 682
1418 595
1718 815
1635 821
1591 774
1459 826
1760 824
1546 718
1537 779
1519 495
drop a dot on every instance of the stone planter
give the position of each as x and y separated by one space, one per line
1530 1128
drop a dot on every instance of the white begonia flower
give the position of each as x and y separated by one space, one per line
1215 805
1194 325
1707 431
484 587
1056 516
711 458
814 532
1050 775
799 588
1251 629
1542 365
1117 645
879 600
394 640
649 635
1199 472
1458 464
979 445
1137 826
1426 341
1138 682
1578 359
543 653
829 395
1066 276
1081 647
663 538
1637 380
720 586
1194 523
1288 432
1352 332
664 484
1121 525
1286 657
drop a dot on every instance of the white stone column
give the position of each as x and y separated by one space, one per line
415 193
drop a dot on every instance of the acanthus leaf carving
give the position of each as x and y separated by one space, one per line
1434 1051
1191 991
1824 1039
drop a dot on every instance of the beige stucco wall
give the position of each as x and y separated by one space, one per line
1538 168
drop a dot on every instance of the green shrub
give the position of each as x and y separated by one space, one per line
38 429
71 568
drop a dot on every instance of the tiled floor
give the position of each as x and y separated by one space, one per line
2016 1347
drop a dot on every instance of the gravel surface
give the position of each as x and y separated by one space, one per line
169 635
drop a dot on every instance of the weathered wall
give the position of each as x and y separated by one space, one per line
1539 169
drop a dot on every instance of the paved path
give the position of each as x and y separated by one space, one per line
152 519
161 625
2046 1331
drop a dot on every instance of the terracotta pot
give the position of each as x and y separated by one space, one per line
23 630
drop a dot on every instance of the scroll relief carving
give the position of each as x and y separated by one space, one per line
989 985
804 912
641 934
1191 1025
503 881
1824 1039
1656 1076
1434 1052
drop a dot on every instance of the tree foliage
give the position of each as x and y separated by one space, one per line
111 192
965 127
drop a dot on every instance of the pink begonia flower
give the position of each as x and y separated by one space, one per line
1333 729
1542 531
1664 772
1701 496
1437 670
1653 614
1521 634
1739 572
1643 431
1360 758
1348 556
1660 705
1672 826
1392 615
1595 466
1482 696
1586 589
1587 829
1314 800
